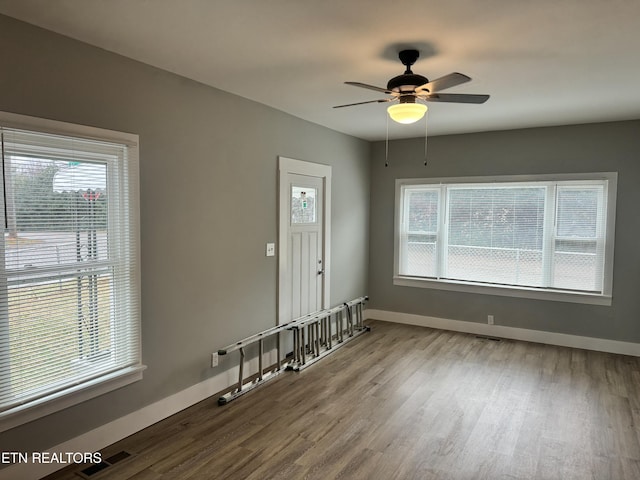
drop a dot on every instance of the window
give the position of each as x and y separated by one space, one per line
70 309
303 204
538 237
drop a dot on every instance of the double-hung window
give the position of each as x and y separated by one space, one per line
69 275
542 236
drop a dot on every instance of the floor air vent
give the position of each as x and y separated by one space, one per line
92 470
493 339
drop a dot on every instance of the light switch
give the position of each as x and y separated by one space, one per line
271 249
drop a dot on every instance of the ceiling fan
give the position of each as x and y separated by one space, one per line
409 87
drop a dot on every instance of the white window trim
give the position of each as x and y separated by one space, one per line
69 397
34 409
514 291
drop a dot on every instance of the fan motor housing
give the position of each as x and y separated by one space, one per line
406 82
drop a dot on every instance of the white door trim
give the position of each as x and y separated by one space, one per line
299 167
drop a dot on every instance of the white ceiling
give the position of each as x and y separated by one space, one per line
544 62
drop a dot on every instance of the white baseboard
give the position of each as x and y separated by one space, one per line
107 434
536 336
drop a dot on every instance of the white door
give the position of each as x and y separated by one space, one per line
303 249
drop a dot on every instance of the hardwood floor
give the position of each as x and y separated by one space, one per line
405 402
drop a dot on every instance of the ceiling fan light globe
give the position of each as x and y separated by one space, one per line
407 113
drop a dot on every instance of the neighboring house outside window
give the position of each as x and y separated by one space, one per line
69 280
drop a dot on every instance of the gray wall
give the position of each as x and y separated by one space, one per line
208 205
208 166
580 148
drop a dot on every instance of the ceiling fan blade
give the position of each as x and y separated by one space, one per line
370 87
383 100
454 98
441 83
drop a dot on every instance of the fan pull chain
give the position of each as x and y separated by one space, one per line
386 146
426 131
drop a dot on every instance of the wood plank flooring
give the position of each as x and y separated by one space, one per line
405 402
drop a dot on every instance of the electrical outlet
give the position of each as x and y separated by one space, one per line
214 359
490 319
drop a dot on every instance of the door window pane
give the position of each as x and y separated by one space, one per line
303 205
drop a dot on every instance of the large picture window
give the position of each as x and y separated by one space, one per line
69 279
515 235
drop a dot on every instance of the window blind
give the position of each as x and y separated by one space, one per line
495 234
69 295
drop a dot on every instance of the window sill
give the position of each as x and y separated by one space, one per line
71 396
505 291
